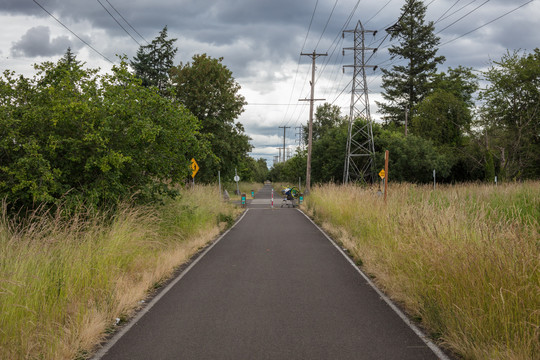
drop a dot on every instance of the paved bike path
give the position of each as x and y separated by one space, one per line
274 287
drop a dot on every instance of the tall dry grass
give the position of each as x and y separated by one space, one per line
63 282
465 260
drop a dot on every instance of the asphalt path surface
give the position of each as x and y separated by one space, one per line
274 287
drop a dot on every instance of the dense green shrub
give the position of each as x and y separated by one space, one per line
70 133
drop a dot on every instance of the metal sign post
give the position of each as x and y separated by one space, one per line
237 179
194 169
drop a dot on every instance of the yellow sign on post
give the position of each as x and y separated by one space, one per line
194 168
382 174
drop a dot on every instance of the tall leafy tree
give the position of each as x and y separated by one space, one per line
511 114
462 82
412 158
153 61
327 116
329 154
442 118
406 85
70 134
208 89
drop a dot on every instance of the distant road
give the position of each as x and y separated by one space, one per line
274 287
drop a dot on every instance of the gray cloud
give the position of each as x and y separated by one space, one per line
261 41
38 42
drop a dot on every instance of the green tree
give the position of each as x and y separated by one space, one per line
510 114
153 61
406 85
70 134
207 88
327 116
291 170
412 158
328 157
462 82
261 170
442 118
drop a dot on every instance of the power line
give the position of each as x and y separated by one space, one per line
326 25
489 22
464 16
123 28
458 10
298 64
68 29
377 13
353 11
118 22
127 22
446 12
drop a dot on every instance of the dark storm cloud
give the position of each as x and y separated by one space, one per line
38 42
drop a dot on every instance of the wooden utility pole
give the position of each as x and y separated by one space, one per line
284 129
386 156
311 100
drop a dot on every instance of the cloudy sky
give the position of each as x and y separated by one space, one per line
261 42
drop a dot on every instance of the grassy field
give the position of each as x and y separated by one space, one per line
464 260
63 283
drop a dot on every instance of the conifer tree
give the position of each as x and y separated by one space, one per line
153 61
405 85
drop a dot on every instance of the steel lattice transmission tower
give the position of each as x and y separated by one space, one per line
360 153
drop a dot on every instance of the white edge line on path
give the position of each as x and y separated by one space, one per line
101 352
440 354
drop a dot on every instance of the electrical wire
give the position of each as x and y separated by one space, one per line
377 13
118 22
446 12
298 63
489 22
326 25
458 10
71 31
464 16
127 22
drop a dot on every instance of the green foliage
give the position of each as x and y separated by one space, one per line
207 88
72 134
406 85
442 118
489 168
260 171
290 170
461 82
510 113
153 61
328 157
412 158
327 117
252 170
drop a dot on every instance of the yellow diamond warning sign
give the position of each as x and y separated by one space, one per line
194 168
382 174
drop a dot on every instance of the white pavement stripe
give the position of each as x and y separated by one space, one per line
440 354
99 354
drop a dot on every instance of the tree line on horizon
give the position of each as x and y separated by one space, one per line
464 132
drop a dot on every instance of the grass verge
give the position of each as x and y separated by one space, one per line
63 282
465 260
